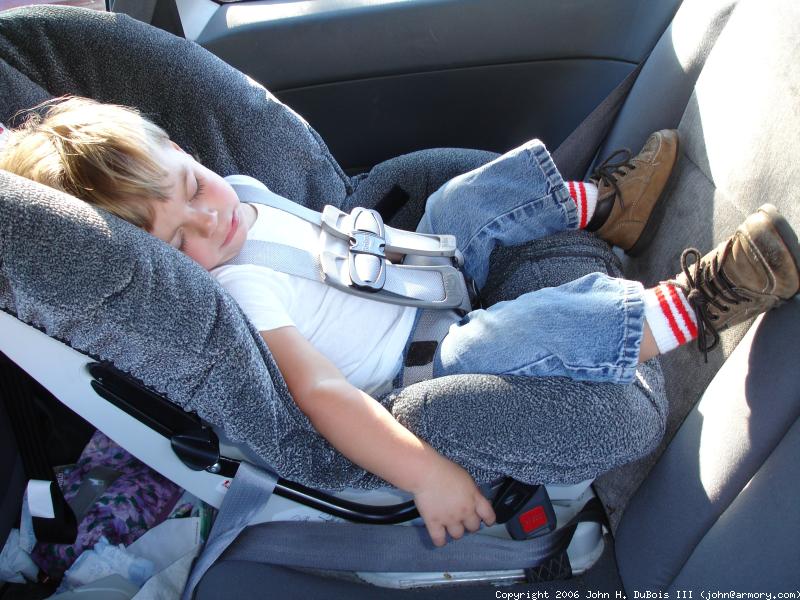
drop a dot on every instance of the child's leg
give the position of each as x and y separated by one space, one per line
517 197
589 329
592 329
520 197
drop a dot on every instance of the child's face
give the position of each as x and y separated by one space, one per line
202 217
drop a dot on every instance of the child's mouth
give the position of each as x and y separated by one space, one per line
234 227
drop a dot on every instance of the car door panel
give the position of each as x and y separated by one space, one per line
492 107
385 77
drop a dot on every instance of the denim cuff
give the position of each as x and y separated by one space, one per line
555 182
633 330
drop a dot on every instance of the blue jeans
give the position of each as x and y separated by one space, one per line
589 329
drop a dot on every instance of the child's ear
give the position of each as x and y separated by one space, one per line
177 147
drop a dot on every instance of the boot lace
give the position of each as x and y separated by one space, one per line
708 287
608 170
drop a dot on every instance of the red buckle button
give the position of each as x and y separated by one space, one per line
533 519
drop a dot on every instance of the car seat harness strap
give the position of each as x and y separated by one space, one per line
430 330
355 252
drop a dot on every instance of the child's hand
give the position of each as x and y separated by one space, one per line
449 502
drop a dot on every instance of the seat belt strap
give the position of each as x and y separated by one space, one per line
379 548
249 492
396 239
281 258
428 333
575 153
408 286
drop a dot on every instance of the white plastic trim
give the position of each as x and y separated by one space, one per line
62 371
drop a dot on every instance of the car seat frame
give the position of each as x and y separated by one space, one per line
189 452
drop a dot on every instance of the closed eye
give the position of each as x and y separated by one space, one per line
200 187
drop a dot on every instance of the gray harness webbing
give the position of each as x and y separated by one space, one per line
249 492
427 335
435 286
352 256
361 547
377 548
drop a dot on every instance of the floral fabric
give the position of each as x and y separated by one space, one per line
134 502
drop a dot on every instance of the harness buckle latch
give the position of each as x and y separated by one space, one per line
367 259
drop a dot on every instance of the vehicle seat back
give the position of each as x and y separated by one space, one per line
739 129
718 510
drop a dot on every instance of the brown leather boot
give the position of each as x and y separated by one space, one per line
629 189
751 272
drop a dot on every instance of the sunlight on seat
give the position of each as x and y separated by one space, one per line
722 447
239 15
746 101
689 30
717 455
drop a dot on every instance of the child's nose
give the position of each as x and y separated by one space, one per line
206 221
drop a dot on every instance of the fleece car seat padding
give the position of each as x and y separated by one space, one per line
214 111
117 294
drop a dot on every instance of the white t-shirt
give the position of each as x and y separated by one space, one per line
363 338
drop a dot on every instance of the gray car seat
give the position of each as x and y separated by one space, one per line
107 289
244 130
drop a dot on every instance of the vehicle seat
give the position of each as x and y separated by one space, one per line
738 128
715 512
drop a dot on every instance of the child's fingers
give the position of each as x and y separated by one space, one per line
485 511
456 530
473 522
437 533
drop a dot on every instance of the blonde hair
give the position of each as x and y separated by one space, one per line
100 153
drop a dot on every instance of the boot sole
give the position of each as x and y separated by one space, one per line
657 215
787 233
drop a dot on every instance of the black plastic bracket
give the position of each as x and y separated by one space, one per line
197 446
198 449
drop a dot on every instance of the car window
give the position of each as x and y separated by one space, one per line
94 4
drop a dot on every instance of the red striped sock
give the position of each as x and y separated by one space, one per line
670 316
585 196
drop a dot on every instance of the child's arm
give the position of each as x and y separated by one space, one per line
365 432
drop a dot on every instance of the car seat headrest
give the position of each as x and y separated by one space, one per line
233 124
114 292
